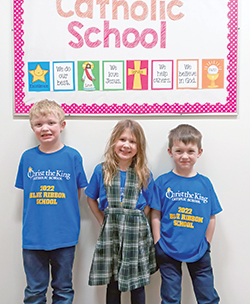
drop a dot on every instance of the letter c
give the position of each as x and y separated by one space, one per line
89 43
169 10
61 12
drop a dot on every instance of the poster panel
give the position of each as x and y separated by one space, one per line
118 57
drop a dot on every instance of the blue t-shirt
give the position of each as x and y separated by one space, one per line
186 204
96 190
51 217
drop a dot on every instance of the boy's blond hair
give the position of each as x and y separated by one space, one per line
139 160
185 133
45 107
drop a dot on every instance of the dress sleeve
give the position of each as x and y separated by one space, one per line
146 195
93 189
96 190
149 191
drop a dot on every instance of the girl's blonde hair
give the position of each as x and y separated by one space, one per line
139 161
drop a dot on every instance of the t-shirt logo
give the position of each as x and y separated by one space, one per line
186 196
47 174
169 193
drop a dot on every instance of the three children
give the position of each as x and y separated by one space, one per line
120 194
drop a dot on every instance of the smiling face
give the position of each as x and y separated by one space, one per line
185 157
125 148
47 130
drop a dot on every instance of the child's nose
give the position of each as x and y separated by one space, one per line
126 143
184 155
45 127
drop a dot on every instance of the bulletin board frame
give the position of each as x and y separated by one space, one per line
21 70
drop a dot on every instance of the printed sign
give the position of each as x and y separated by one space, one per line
63 76
187 74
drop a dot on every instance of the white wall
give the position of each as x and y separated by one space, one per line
225 160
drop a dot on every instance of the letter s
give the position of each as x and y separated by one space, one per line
74 33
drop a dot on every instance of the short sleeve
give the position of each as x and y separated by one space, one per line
93 189
19 177
156 200
80 173
148 193
215 204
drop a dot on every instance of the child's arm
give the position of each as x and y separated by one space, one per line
146 210
93 204
156 224
210 229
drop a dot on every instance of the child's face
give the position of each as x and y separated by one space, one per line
184 156
47 129
126 147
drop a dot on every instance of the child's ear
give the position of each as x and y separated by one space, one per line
63 124
170 152
199 153
31 125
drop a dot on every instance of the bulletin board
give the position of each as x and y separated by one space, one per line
125 57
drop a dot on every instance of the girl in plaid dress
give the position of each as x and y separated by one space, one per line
124 256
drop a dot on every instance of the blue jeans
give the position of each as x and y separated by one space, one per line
113 295
37 268
171 274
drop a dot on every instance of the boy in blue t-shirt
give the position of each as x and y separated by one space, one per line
51 176
183 220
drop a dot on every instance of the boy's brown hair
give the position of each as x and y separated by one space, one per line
45 107
185 133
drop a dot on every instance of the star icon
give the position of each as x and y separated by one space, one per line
38 74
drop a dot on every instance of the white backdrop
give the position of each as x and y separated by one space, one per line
225 160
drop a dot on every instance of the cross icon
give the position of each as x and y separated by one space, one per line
137 72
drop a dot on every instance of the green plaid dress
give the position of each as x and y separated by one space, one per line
125 249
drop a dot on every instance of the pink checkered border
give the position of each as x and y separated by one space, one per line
114 109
